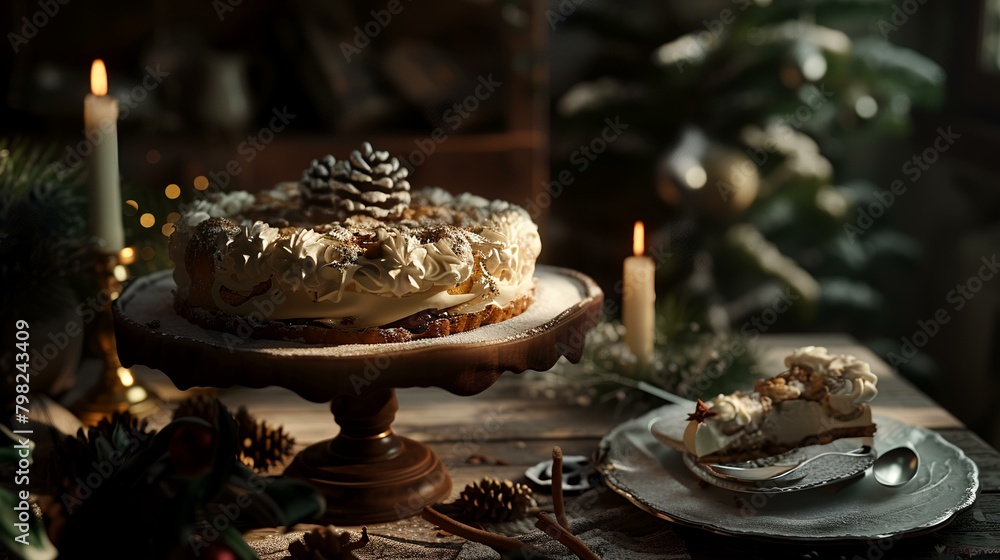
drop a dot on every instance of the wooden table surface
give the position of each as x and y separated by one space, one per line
507 423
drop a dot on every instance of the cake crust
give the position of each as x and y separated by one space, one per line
770 448
312 333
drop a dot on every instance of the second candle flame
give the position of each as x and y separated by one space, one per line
98 78
639 239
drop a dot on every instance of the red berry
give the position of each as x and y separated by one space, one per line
191 449
214 551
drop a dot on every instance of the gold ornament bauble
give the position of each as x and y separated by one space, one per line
731 183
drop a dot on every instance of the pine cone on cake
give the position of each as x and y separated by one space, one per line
369 183
495 500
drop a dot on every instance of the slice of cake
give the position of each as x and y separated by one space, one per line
820 398
351 255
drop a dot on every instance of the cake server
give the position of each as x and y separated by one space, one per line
772 472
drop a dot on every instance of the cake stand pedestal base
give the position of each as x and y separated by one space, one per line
367 473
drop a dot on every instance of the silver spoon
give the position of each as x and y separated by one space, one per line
896 467
758 474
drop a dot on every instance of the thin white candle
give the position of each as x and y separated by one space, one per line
638 299
100 119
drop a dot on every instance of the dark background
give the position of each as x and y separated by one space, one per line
230 67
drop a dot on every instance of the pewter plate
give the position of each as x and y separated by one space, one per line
653 476
669 429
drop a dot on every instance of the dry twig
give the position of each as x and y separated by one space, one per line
360 543
551 528
492 540
557 487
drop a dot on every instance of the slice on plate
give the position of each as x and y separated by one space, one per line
819 398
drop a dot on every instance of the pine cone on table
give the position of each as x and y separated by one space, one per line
72 457
495 500
261 445
369 183
199 406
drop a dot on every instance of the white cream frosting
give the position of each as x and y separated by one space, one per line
735 416
736 410
321 275
858 384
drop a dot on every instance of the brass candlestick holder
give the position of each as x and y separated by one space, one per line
116 389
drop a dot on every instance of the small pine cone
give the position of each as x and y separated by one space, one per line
369 183
198 406
326 543
134 427
74 455
495 500
261 446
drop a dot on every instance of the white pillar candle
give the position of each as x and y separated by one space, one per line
100 119
638 299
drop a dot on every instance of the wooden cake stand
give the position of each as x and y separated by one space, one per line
367 473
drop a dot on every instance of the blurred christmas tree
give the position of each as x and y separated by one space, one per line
738 113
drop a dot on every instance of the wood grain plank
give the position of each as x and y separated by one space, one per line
503 423
986 457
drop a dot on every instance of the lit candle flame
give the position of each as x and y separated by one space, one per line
125 376
98 78
639 239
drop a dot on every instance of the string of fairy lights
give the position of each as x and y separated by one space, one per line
148 220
